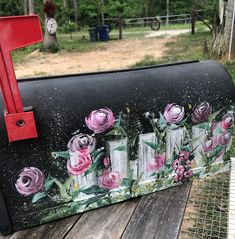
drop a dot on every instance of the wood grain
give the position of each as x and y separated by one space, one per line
54 230
108 222
158 215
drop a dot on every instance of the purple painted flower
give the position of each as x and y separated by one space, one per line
175 164
180 170
31 180
78 164
188 164
100 120
201 112
224 139
173 113
110 180
82 143
178 177
227 121
188 174
156 163
184 155
106 162
182 166
210 144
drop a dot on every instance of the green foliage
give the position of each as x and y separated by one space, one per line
11 7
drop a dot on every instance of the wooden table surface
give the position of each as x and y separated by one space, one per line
158 215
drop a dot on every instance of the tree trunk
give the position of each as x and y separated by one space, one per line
65 3
25 7
120 25
229 31
222 34
75 6
193 20
31 7
50 42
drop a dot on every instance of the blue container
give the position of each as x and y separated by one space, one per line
103 31
93 34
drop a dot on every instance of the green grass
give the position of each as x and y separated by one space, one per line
185 48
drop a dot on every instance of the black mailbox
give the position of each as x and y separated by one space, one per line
111 136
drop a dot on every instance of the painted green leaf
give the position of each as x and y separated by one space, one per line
93 190
63 193
213 116
183 121
153 174
205 126
128 182
152 145
168 163
87 172
64 154
117 132
118 121
49 183
98 157
174 126
120 148
38 196
162 121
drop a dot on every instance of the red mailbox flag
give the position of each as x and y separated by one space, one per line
16 32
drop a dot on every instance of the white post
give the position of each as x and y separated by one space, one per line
119 156
174 139
200 135
146 154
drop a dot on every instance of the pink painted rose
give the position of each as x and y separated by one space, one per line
201 112
209 145
224 139
110 180
178 177
31 180
227 121
188 174
173 113
156 163
78 164
175 164
180 170
82 143
106 162
184 155
100 120
188 164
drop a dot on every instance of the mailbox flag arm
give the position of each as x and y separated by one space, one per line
16 32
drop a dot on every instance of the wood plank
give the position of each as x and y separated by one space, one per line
159 215
54 230
5 237
108 222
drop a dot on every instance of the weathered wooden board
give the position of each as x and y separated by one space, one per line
54 230
108 222
159 215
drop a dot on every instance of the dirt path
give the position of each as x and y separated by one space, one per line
116 55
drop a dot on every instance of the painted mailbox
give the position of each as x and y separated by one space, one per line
108 137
